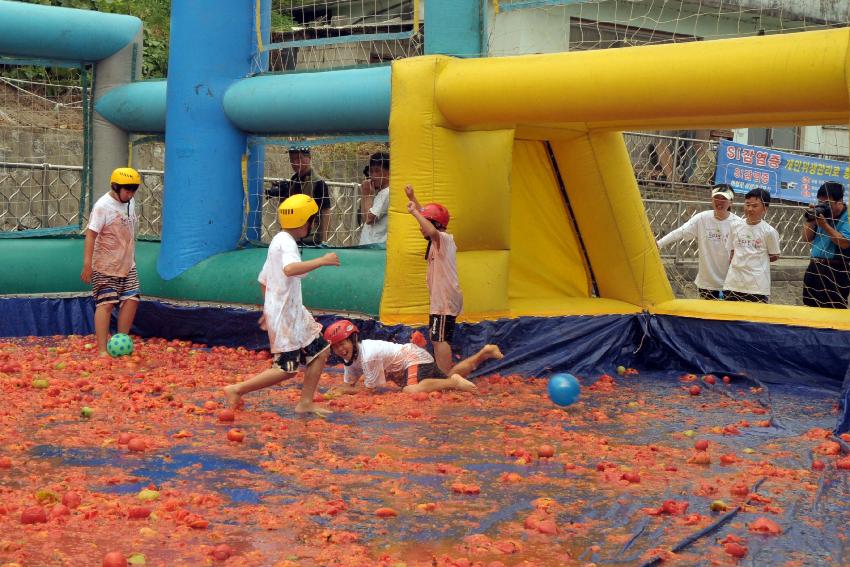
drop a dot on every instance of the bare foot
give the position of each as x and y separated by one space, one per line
462 384
492 351
303 408
234 399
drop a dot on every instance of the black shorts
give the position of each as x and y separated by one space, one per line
290 361
709 293
741 296
419 372
441 328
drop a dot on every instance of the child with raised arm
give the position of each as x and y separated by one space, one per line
295 338
752 246
109 255
408 365
446 299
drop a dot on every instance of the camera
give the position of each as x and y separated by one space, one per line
278 189
822 209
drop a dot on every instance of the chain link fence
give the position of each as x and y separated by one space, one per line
39 195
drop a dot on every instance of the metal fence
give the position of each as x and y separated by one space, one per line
39 195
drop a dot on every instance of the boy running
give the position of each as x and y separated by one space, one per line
295 337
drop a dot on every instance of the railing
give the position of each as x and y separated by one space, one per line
664 216
39 196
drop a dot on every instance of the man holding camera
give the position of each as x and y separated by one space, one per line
827 279
306 182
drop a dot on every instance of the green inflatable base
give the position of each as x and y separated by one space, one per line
53 265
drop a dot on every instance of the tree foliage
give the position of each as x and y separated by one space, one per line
155 14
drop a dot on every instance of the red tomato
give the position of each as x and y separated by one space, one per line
710 379
71 499
701 445
818 465
235 435
59 510
33 515
222 552
735 550
227 415
114 559
124 438
5 463
695 390
210 405
138 513
546 451
385 513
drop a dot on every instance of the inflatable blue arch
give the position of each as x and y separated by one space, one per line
557 259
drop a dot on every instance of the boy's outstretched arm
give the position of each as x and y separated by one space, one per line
428 228
408 190
301 268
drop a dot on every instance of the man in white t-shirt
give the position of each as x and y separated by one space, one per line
375 200
753 245
109 255
711 231
407 365
295 338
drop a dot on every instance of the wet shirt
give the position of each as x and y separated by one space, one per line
290 326
443 285
115 246
378 360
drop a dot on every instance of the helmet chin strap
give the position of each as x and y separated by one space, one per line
354 350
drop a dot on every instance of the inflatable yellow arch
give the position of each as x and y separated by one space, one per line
528 155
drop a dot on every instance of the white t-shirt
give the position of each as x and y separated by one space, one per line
711 235
290 325
378 359
749 271
443 285
376 233
115 246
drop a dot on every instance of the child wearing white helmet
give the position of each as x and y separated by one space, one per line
109 255
407 365
295 338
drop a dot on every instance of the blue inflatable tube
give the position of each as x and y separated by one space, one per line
135 107
351 100
48 32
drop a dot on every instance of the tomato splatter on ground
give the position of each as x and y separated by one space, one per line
156 471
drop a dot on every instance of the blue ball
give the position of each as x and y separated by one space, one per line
563 389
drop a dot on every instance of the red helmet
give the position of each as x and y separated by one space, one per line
340 330
436 213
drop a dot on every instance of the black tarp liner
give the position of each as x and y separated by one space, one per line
533 346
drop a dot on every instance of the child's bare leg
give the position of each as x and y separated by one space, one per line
311 379
467 365
455 382
443 356
102 315
126 314
264 379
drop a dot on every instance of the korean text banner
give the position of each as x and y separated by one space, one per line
785 175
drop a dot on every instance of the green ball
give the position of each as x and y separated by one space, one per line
119 345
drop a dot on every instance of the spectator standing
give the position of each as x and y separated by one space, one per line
305 181
711 231
827 279
375 200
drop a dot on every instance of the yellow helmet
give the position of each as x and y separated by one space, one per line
296 210
125 176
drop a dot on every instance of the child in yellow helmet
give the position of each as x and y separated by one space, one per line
109 256
295 338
